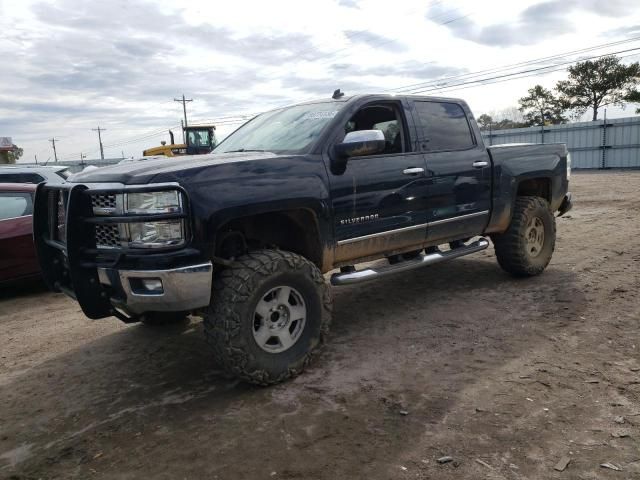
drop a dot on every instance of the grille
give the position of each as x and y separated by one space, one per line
107 236
103 204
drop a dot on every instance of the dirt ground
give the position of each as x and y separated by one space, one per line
505 376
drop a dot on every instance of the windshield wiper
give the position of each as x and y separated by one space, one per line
244 150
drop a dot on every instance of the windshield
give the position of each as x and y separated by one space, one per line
286 130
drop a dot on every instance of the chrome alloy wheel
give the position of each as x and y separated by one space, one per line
534 236
279 319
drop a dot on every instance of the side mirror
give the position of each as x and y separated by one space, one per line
356 144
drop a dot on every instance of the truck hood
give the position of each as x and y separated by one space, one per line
145 170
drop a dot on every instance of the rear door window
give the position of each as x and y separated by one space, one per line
31 178
10 178
13 205
443 126
20 178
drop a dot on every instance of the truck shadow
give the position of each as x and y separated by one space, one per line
22 288
155 390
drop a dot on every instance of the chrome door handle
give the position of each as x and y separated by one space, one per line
413 171
480 164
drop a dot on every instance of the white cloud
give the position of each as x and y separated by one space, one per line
119 64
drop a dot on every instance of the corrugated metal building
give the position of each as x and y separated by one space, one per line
611 144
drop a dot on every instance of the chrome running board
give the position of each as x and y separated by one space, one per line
348 278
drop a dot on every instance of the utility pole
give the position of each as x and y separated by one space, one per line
99 130
55 154
36 158
184 106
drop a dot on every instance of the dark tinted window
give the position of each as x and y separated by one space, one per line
10 178
64 173
13 205
444 126
20 178
31 178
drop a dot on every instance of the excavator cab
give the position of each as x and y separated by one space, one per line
200 139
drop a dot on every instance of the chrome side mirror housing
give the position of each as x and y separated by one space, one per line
356 144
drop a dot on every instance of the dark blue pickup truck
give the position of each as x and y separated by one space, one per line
243 236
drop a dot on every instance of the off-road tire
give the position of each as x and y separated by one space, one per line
159 319
229 320
511 246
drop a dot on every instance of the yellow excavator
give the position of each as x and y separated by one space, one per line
200 139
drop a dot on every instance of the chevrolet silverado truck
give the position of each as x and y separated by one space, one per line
243 236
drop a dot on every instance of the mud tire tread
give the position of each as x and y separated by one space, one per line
232 288
510 246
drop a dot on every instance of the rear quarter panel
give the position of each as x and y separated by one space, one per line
513 164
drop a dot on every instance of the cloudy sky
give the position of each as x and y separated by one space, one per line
71 65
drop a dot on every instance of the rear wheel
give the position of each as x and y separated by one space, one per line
525 249
269 313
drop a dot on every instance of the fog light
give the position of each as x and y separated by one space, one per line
152 284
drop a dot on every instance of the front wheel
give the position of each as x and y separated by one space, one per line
269 313
525 249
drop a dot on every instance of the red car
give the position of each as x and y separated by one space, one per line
17 251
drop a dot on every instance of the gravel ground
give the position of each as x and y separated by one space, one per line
504 376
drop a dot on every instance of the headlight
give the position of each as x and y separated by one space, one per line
568 166
156 234
154 202
163 233
153 233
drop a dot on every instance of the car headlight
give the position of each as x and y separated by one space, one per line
156 234
568 166
169 201
152 234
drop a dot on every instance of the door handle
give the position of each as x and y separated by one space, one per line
480 164
413 171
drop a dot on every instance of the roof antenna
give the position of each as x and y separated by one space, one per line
337 94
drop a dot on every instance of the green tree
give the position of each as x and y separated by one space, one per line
15 155
11 156
633 97
541 107
484 121
596 83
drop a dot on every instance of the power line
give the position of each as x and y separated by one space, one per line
99 130
511 66
484 80
454 88
126 141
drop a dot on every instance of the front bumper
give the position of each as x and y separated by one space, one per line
566 205
111 281
182 289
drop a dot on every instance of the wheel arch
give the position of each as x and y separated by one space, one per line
299 230
538 184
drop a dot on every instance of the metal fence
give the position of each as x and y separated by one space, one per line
611 143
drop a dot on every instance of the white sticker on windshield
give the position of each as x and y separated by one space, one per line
319 114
